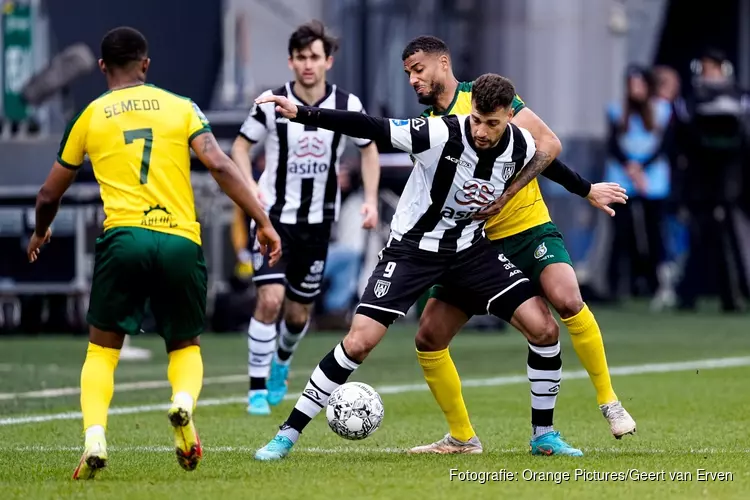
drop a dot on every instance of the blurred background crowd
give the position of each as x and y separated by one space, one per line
641 92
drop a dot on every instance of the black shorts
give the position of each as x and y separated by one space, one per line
304 250
405 272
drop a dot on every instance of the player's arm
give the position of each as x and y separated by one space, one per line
233 182
69 159
370 181
253 130
48 201
413 136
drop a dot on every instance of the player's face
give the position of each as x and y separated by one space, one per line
310 64
487 129
427 74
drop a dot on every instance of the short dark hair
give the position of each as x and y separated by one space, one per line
427 44
122 46
491 91
308 33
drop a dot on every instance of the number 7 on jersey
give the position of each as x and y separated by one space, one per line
148 138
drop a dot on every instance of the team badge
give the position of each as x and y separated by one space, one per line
257 260
381 288
508 169
540 251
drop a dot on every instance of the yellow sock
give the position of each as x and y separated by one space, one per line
97 384
185 371
441 375
589 346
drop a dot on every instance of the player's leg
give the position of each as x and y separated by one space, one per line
261 334
397 281
441 320
178 302
511 297
542 255
116 308
544 369
304 278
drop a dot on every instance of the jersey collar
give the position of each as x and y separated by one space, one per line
329 90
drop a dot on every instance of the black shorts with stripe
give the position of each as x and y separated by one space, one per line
304 250
404 273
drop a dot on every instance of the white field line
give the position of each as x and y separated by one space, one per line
124 387
702 364
356 449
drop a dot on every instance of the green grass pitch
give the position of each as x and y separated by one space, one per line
683 378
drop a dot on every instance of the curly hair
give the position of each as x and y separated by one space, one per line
491 91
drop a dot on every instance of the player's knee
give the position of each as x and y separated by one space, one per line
428 338
268 306
547 333
569 306
358 343
296 317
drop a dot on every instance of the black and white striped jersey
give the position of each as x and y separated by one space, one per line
300 181
452 180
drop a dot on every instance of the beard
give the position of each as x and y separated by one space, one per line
430 99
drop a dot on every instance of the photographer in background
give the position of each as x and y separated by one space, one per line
713 140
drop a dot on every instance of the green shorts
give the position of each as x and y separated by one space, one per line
134 266
531 251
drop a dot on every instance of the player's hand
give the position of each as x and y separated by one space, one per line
370 213
603 194
283 105
35 244
491 210
269 238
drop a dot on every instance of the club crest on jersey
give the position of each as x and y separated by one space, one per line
381 288
475 192
540 251
509 169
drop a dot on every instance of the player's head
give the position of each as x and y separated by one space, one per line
427 62
311 50
125 52
491 109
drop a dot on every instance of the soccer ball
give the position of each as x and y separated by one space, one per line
354 410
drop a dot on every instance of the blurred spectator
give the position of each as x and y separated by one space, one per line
637 160
668 88
713 139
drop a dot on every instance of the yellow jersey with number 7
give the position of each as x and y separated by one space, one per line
138 141
527 208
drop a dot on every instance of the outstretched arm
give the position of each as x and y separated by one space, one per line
411 136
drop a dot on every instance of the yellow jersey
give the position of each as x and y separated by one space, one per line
138 141
527 208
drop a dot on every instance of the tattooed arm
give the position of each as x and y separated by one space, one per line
234 183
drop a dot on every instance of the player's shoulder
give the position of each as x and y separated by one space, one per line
352 100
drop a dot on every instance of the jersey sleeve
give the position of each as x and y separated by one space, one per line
418 135
198 123
255 126
73 143
517 104
354 104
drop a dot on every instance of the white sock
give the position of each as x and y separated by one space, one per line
95 431
183 400
261 345
288 342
